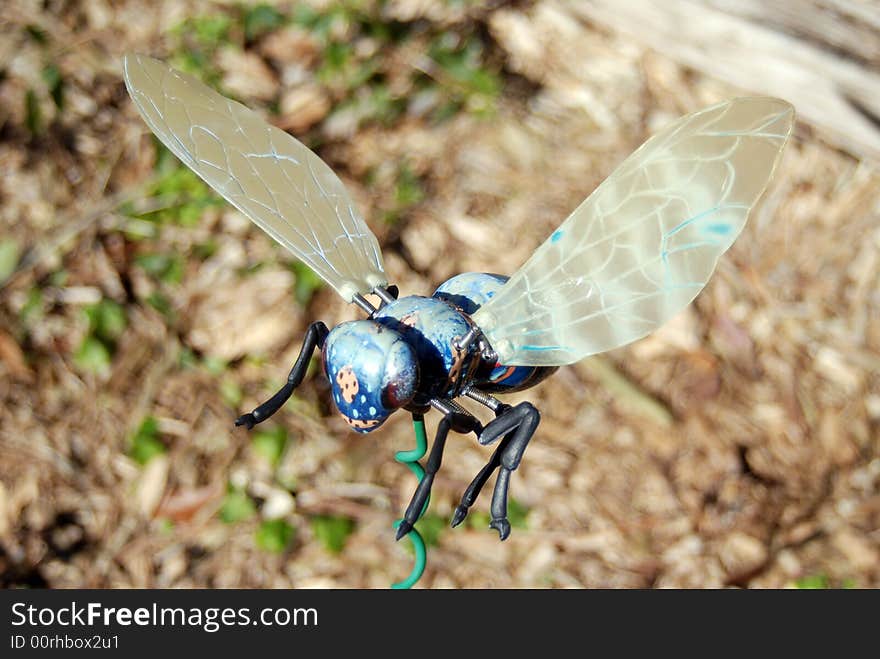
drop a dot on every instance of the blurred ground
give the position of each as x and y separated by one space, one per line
139 316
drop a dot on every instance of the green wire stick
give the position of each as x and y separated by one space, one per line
411 460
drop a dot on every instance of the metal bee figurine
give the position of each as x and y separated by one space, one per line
633 254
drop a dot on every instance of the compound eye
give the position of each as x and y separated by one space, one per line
401 376
396 394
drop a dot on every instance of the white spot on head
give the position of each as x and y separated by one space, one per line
363 399
372 411
354 414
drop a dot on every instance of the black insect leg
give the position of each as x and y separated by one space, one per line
525 418
456 419
314 338
516 425
473 490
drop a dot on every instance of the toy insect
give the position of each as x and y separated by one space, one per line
632 255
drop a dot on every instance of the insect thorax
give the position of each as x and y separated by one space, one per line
432 327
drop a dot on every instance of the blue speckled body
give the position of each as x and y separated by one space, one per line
406 355
431 326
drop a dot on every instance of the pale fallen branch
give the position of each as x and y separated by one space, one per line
755 52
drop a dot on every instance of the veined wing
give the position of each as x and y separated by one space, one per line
276 181
643 245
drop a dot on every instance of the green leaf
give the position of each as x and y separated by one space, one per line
467 78
146 445
477 519
92 356
430 526
173 274
230 391
332 531
107 320
446 111
208 29
321 23
813 582
214 365
237 506
213 29
205 250
409 190
162 304
37 33
166 267
186 358
359 73
307 283
59 278
166 163
189 214
32 310
52 78
33 115
336 58
196 61
383 106
270 444
305 15
274 535
517 514
261 19
183 194
9 254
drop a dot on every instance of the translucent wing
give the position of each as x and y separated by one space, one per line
641 247
269 176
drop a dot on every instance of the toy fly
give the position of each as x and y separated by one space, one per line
632 255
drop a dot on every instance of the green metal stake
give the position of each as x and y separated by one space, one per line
411 460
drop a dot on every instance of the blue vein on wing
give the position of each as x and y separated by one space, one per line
691 220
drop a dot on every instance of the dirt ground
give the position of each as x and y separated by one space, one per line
139 316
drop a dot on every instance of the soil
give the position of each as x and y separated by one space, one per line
737 446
